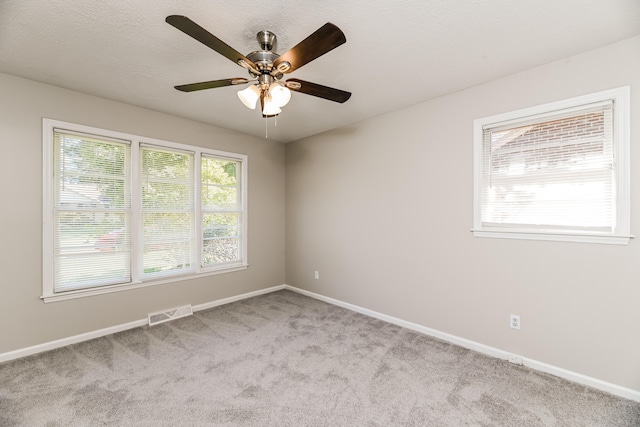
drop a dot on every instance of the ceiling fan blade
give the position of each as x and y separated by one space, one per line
211 84
194 30
325 39
320 91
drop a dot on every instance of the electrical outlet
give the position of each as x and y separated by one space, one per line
514 322
515 359
316 275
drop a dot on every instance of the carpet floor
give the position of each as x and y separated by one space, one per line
283 359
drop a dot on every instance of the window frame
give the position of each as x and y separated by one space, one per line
48 223
621 149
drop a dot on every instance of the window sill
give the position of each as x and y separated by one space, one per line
81 293
608 239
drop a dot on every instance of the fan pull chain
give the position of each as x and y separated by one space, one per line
266 125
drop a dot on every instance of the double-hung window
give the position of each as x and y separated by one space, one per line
222 217
558 171
168 211
122 211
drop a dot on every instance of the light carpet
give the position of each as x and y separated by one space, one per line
283 359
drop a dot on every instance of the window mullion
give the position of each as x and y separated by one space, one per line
197 195
136 217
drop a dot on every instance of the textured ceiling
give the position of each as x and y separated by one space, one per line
397 53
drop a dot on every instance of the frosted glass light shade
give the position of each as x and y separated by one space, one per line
270 107
279 94
249 96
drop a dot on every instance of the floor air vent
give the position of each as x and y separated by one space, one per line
171 314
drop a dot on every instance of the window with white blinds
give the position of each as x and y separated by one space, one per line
122 212
91 211
168 212
558 171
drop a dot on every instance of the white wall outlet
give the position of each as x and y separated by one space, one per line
316 275
514 321
515 359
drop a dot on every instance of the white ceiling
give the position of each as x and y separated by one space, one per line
397 53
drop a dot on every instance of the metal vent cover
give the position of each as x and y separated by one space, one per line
171 314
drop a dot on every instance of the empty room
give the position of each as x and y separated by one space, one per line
338 213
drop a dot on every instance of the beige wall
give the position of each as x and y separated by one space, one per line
25 320
383 210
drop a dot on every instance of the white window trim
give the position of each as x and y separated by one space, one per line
48 294
622 128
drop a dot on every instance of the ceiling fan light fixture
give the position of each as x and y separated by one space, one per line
280 95
266 67
250 96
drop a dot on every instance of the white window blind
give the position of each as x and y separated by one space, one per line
91 211
558 171
168 211
221 211
551 173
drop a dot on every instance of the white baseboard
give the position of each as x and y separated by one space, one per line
52 345
614 389
224 301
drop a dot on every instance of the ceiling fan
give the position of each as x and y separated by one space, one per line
266 67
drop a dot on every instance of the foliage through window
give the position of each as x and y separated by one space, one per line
168 211
221 211
91 210
558 171
122 211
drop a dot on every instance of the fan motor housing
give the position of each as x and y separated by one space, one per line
264 61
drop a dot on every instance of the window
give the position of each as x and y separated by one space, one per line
91 211
168 212
122 212
558 171
221 211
